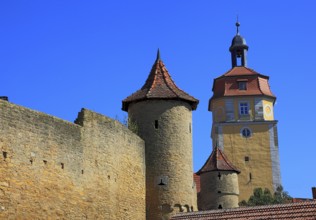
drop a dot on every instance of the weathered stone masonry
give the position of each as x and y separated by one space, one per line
54 169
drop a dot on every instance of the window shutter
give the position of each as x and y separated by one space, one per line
229 104
258 109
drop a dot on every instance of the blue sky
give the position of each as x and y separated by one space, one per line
59 56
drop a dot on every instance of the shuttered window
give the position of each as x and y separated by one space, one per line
229 105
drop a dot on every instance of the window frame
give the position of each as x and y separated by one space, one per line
242 110
246 135
242 85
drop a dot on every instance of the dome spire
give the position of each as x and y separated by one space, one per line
238 49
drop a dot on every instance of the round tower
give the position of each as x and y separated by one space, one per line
162 116
219 183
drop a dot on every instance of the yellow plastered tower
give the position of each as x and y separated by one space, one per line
162 114
243 122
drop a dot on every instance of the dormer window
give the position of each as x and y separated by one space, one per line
242 84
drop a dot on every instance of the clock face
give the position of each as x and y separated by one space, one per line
268 110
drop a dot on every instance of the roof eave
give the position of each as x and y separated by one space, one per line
193 103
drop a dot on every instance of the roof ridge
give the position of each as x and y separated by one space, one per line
213 163
226 160
154 78
172 81
166 82
242 211
259 86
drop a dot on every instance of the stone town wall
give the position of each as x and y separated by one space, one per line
165 125
54 169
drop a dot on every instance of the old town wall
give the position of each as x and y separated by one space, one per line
54 169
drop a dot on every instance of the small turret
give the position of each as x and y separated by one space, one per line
219 183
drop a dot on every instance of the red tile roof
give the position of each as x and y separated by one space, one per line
240 71
227 84
291 211
197 181
159 85
217 161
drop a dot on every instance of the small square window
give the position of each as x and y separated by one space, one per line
242 85
246 158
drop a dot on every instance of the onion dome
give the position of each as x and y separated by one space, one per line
238 49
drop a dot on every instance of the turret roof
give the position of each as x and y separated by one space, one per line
241 71
217 161
227 84
159 85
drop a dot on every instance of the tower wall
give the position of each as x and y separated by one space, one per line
218 191
51 168
256 156
165 125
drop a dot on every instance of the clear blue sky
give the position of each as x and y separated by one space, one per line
59 56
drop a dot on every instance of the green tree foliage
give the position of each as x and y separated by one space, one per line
265 197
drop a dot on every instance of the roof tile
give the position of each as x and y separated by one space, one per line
217 161
227 84
293 211
197 181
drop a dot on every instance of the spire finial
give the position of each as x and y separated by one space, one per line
237 25
158 55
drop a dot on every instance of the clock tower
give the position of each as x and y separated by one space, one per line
244 127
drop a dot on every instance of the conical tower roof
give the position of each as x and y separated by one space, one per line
159 85
217 161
